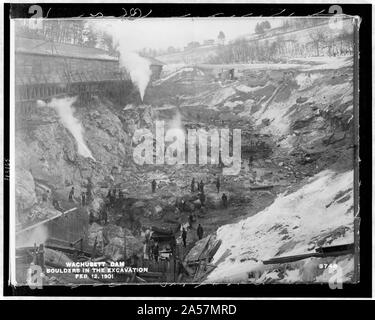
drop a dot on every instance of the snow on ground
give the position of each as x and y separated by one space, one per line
325 63
319 213
232 104
173 74
172 67
305 80
280 124
303 64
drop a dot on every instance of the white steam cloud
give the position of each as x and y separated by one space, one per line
125 37
65 111
138 68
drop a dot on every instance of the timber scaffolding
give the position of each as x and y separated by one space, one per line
45 70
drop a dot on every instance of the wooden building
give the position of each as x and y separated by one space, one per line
46 69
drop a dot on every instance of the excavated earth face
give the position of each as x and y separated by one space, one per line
295 123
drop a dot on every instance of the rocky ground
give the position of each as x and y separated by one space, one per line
296 121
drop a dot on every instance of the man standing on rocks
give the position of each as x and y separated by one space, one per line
153 186
71 195
202 198
103 215
200 232
184 235
156 252
83 198
218 184
224 198
192 185
120 194
45 196
147 235
201 186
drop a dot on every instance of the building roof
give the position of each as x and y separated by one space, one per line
42 47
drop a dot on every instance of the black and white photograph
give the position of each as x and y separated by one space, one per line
184 150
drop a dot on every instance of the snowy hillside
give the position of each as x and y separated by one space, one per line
320 213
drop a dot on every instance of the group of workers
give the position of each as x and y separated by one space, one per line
202 196
180 206
85 198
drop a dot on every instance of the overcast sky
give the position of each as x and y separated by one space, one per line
162 33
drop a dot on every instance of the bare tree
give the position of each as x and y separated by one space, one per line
221 37
318 38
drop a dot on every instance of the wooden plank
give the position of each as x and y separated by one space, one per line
261 187
292 258
332 251
45 221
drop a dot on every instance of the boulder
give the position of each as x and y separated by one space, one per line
114 236
25 189
189 206
115 249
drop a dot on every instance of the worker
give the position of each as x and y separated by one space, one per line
71 195
83 198
218 184
201 186
202 198
91 217
192 185
200 232
45 196
120 194
191 221
112 197
104 216
153 186
251 160
184 235
150 247
156 251
224 198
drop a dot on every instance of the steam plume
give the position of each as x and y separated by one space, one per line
126 38
138 68
65 111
